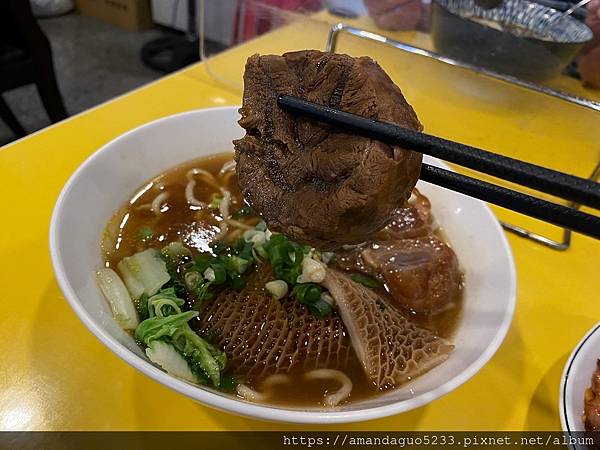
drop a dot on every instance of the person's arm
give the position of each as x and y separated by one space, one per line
399 14
589 63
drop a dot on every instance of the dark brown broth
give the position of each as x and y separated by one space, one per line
196 228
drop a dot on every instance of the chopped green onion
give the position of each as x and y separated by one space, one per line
220 273
202 262
202 293
243 249
256 237
245 210
307 292
219 247
176 251
215 201
277 288
260 251
286 257
327 298
173 255
366 281
145 233
289 274
313 271
192 279
328 258
222 270
209 274
237 282
320 309
237 264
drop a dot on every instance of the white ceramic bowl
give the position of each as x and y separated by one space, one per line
576 378
110 176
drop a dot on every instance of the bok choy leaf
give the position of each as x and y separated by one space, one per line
134 286
164 303
144 273
204 360
118 297
168 358
156 327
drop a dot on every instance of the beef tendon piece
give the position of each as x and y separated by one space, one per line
319 185
410 220
591 416
422 273
391 349
263 336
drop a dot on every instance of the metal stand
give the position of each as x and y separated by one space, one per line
566 240
335 30
332 40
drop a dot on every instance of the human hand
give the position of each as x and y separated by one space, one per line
589 63
399 14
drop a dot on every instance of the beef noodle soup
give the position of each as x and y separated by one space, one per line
216 299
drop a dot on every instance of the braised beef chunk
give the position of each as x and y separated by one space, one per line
318 185
591 415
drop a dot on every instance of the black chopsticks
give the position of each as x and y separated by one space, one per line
579 190
516 201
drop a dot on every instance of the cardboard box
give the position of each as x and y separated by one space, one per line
133 15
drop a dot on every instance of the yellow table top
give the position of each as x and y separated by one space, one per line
55 375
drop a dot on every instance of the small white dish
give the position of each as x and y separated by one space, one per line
110 176
576 378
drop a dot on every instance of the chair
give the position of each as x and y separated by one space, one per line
26 58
